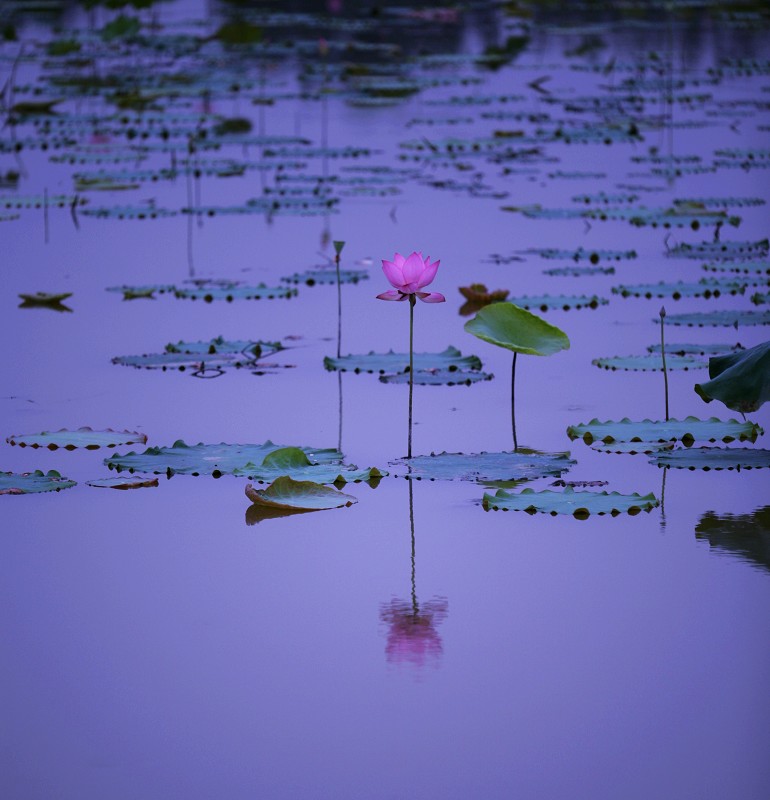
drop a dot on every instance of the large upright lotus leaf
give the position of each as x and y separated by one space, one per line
568 501
286 493
82 437
450 359
725 318
293 462
707 458
746 536
207 459
33 482
649 362
739 380
506 325
522 465
688 430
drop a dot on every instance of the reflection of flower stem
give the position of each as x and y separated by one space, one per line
415 607
412 301
663 501
663 356
513 403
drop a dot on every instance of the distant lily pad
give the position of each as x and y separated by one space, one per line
695 349
703 288
207 459
707 458
631 448
568 501
522 465
293 462
649 362
33 482
45 298
739 380
754 269
324 275
86 438
123 483
721 251
235 292
439 377
688 430
726 318
290 495
559 302
581 254
576 272
390 362
141 292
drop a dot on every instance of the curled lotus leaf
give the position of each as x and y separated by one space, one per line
127 482
703 288
85 438
649 362
695 349
721 251
439 377
33 482
294 463
231 292
514 328
725 318
746 536
450 359
290 495
324 275
708 458
739 380
522 465
568 501
207 459
688 430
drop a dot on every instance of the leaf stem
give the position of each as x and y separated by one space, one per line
663 356
513 402
412 301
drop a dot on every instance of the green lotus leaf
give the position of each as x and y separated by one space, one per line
293 462
688 430
235 292
197 362
33 482
509 326
568 501
219 344
754 269
726 318
141 292
695 349
86 438
707 458
128 212
721 251
746 536
45 298
439 377
326 276
576 272
677 217
122 483
650 362
739 380
291 495
207 459
631 448
522 465
703 288
581 254
390 362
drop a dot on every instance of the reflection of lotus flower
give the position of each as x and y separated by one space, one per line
412 636
409 275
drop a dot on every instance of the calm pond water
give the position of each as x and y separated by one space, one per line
167 642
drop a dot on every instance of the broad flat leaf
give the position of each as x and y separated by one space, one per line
251 347
45 298
725 318
128 212
688 430
196 362
581 254
141 292
207 459
631 448
703 288
293 462
707 458
122 483
576 272
82 437
755 269
290 495
562 302
439 377
568 501
235 292
509 326
650 362
739 380
33 482
721 251
311 277
695 349
484 467
746 536
390 362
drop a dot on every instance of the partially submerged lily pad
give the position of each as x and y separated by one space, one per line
649 362
234 291
450 359
688 430
704 288
739 380
127 482
695 349
33 482
522 465
707 458
294 463
560 302
290 495
725 318
439 377
82 437
324 275
579 504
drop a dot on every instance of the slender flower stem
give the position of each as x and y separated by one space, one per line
415 606
412 301
513 403
663 355
339 304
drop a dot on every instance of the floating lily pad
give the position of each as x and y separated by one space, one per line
650 362
695 349
631 448
122 483
677 217
559 302
721 251
581 254
754 269
704 288
439 377
195 363
47 299
760 298
290 495
207 459
688 430
523 465
86 438
579 504
707 458
128 212
739 380
252 348
235 292
141 292
33 482
727 318
293 462
450 359
311 277
576 272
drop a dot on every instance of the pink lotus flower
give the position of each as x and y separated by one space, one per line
409 275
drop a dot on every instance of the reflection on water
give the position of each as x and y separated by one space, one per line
743 536
412 635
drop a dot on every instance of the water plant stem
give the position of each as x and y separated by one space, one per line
412 301
339 304
415 606
663 356
513 402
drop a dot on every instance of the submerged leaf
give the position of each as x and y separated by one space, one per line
579 504
291 495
